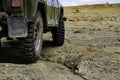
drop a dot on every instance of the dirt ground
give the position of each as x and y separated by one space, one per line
91 50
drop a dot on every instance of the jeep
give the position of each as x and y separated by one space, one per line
27 20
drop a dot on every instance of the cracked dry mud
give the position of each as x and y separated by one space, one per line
91 50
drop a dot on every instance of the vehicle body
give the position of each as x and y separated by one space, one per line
21 18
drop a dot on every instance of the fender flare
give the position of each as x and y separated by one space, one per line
42 8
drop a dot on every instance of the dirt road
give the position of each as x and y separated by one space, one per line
91 50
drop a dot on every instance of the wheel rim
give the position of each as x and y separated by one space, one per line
38 36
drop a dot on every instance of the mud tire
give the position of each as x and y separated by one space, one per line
58 33
28 45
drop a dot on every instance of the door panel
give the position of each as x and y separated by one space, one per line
56 11
50 12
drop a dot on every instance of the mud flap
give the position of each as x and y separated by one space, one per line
17 27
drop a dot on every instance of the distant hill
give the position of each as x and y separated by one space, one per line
92 13
98 12
95 6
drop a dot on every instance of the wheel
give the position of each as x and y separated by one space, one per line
58 33
31 45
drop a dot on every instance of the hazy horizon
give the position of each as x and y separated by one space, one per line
86 2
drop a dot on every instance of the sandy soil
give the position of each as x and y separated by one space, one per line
91 50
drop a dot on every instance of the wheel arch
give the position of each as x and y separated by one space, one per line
61 11
42 8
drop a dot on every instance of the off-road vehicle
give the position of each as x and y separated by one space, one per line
27 20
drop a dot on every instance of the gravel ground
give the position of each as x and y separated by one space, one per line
91 52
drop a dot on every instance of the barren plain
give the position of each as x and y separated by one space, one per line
91 50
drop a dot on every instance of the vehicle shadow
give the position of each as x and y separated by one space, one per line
9 55
12 54
48 43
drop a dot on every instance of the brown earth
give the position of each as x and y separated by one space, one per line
91 50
